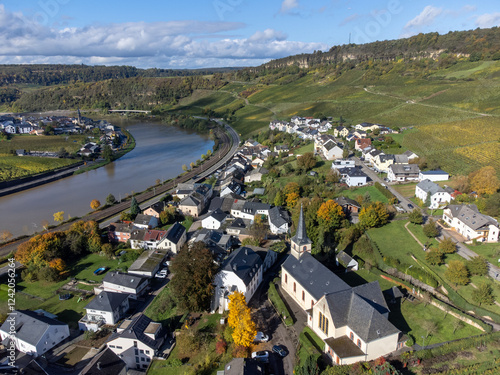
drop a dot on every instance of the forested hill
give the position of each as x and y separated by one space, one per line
478 44
46 75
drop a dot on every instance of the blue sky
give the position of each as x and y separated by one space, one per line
215 33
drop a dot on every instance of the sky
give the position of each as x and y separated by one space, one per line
216 33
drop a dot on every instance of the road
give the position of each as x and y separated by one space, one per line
229 143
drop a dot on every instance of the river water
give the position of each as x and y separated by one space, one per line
160 152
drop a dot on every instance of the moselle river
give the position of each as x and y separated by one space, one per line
160 152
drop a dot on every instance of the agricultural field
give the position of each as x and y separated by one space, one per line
71 143
12 167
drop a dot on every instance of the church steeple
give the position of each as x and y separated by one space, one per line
300 243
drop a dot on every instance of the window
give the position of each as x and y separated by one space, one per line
111 346
304 248
142 359
118 347
147 351
294 287
303 296
142 351
135 344
137 359
286 278
323 323
359 343
351 336
136 352
312 303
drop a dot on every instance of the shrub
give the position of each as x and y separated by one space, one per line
49 274
220 346
241 351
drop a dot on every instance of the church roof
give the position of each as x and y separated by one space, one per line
300 237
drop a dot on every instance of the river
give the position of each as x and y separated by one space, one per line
160 152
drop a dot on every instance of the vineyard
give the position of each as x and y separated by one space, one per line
12 167
71 143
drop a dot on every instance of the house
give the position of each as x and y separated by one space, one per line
348 262
233 187
367 126
241 271
145 221
435 175
155 209
343 163
214 220
351 322
190 206
332 150
119 282
248 209
362 143
224 204
429 191
9 128
105 362
148 263
239 228
353 176
146 238
470 223
279 220
255 175
382 161
104 308
120 232
403 172
348 205
410 155
175 238
281 148
244 366
136 341
34 334
340 132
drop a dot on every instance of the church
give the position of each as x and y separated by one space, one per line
352 321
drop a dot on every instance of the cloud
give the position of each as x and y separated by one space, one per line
425 18
288 5
351 18
162 44
488 20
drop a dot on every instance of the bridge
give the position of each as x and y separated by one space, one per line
128 111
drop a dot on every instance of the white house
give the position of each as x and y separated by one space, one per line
241 271
145 221
279 220
332 150
435 175
136 341
124 283
105 308
35 333
175 238
437 196
403 172
248 210
351 322
214 220
353 176
343 163
470 223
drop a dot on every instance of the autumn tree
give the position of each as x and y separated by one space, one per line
447 246
483 294
279 199
333 176
460 183
110 200
484 181
457 273
306 161
240 320
416 217
292 194
430 229
5 235
134 207
194 271
330 215
477 266
58 264
434 256
184 167
95 204
59 216
167 216
373 215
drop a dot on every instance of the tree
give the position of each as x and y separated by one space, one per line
194 271
484 181
59 216
457 273
309 367
373 215
184 167
345 152
134 207
110 200
330 214
460 183
483 294
429 327
95 204
279 199
434 256
167 216
292 199
306 161
58 264
416 216
333 176
430 229
477 266
447 246
192 164
107 153
5 235
240 320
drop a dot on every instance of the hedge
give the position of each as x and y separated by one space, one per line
279 305
385 192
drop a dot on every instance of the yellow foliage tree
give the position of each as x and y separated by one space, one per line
95 204
484 181
58 264
330 214
292 199
240 320
59 216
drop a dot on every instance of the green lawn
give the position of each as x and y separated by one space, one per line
310 345
279 304
375 194
490 251
302 150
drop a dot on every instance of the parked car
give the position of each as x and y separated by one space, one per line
261 337
279 350
161 274
262 356
410 206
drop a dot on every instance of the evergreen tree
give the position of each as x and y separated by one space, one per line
134 207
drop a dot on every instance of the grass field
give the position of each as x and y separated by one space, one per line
71 143
375 194
12 167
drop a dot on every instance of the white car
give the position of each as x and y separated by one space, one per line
261 337
262 356
161 274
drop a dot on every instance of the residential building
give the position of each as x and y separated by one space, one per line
340 132
410 155
239 228
105 362
348 262
244 366
155 210
255 175
351 322
434 175
362 143
214 220
349 206
148 263
104 308
136 341
34 333
145 221
403 172
176 237
382 161
248 209
120 232
367 126
427 190
332 150
279 220
470 223
119 282
353 176
146 238
343 163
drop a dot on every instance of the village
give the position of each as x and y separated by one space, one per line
257 229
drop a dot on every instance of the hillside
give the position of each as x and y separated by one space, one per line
446 88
